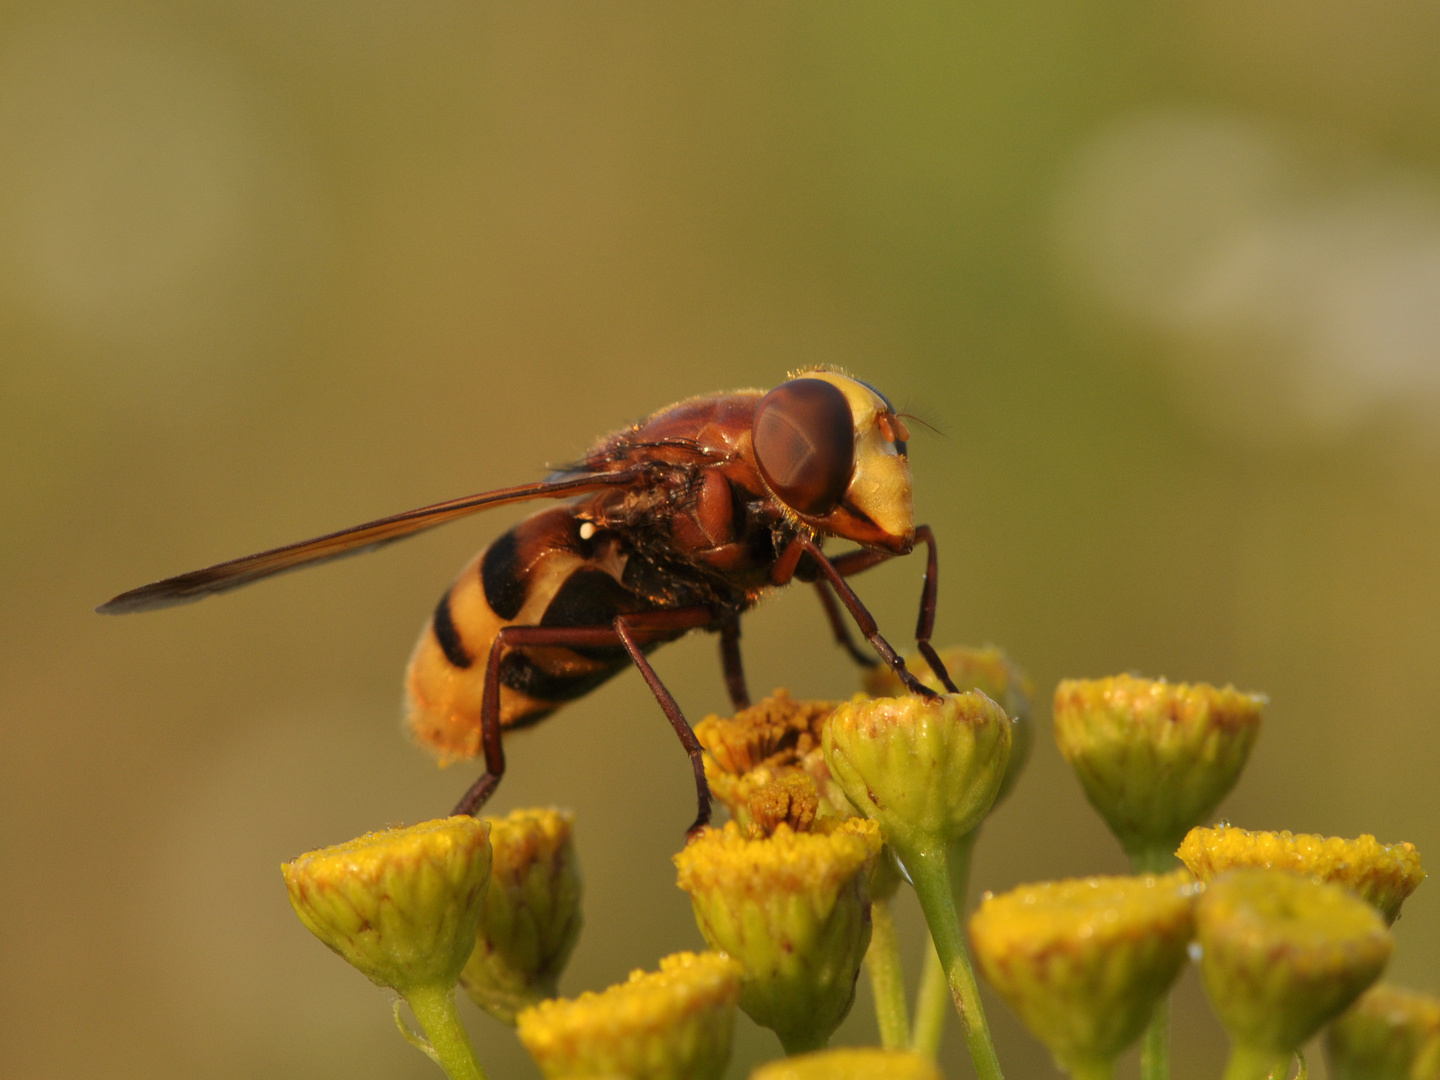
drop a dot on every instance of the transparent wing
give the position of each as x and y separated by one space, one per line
187 588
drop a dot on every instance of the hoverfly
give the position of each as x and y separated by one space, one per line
677 523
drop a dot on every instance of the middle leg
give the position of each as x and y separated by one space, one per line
730 662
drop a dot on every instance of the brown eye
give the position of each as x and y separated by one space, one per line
805 444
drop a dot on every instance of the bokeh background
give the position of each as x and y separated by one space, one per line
1166 277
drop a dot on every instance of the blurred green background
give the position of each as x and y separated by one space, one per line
1167 278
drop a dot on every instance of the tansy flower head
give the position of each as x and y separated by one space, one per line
1283 954
672 1025
793 909
1388 1034
401 905
1085 962
925 771
1155 758
1382 874
851 1063
769 741
988 670
531 913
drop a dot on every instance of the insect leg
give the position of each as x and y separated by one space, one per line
841 631
490 730
864 619
474 798
624 630
926 622
852 562
855 561
730 662
636 629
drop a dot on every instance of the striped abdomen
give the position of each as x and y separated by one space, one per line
543 572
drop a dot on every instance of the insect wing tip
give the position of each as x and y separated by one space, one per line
145 598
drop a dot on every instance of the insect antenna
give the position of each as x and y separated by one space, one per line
922 422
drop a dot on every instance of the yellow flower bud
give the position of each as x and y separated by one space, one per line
988 670
531 915
1282 955
1382 874
792 908
851 1063
1085 962
672 1025
401 905
1388 1034
1155 758
925 771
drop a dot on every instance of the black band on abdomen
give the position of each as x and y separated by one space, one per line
448 637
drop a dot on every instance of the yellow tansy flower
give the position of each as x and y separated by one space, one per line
926 771
531 914
401 905
1388 1034
1383 874
1155 758
988 670
793 909
1282 955
851 1063
675 1024
777 738
1084 962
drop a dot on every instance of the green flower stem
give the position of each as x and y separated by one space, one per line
933 1003
1248 1063
1155 1046
930 873
449 1046
886 978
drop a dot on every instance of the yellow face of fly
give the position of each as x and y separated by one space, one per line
877 507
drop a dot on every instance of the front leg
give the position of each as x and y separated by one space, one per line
925 625
853 562
864 620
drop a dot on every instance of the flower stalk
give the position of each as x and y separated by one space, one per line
932 1004
445 1041
887 979
1155 1045
930 873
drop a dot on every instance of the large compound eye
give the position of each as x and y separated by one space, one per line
804 438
